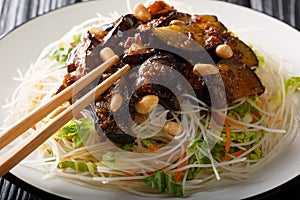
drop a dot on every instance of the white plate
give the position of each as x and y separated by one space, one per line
22 46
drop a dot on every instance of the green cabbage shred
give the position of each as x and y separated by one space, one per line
165 183
76 130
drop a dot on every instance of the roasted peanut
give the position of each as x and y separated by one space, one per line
115 102
147 102
99 34
224 51
106 53
141 13
173 128
177 22
205 69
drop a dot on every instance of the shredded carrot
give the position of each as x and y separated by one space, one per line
34 127
235 124
129 181
259 104
278 121
228 121
228 140
220 118
153 147
177 175
213 124
237 153
150 173
254 116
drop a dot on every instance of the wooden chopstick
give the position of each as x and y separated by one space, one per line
28 121
13 156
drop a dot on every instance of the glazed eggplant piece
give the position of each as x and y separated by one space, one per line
113 39
150 78
189 19
76 58
86 54
204 18
212 29
194 36
242 52
115 133
159 8
154 75
209 33
118 133
239 80
170 41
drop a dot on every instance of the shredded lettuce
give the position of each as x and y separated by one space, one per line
110 157
50 152
126 147
192 148
261 60
292 83
243 109
218 150
193 172
255 154
76 130
193 145
146 142
60 54
246 112
79 166
77 38
164 183
241 137
245 137
198 157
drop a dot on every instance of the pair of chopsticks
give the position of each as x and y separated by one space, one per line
16 154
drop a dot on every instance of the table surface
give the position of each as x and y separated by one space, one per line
16 12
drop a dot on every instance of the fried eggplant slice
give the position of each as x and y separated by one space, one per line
242 52
239 80
171 40
159 8
188 19
205 18
114 131
208 34
155 74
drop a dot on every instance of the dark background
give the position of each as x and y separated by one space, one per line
16 12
